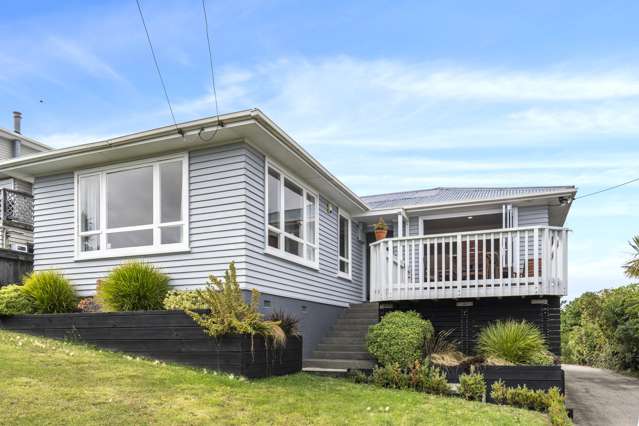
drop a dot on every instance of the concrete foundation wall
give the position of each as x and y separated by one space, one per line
316 319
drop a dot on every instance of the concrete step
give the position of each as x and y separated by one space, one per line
364 307
363 322
341 347
360 315
344 340
342 355
338 363
348 332
327 372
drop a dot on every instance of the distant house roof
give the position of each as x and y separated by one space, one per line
438 196
32 143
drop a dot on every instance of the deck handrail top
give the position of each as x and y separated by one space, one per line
483 231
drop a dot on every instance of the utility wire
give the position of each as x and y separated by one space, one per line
157 67
208 42
607 189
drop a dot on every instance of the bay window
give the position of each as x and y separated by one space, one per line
344 242
132 209
291 218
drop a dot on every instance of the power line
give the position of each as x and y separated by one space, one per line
607 189
208 42
157 67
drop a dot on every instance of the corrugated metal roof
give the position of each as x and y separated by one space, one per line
425 197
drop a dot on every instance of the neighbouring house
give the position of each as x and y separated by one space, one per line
16 201
16 206
193 197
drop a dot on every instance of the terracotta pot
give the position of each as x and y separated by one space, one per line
380 234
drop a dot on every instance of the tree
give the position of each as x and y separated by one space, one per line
632 266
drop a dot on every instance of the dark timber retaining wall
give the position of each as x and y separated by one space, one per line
532 376
164 335
14 265
467 317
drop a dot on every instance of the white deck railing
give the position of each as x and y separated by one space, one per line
490 263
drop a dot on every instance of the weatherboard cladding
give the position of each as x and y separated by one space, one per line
290 279
452 195
226 197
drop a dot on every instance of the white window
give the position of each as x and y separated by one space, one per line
344 240
292 214
133 209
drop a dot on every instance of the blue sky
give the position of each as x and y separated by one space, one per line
388 95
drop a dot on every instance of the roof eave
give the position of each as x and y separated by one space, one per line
446 205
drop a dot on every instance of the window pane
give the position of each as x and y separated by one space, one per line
310 253
90 243
293 247
89 203
273 239
293 205
171 234
171 192
343 266
130 239
273 198
130 197
310 219
344 238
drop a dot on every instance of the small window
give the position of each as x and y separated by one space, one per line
344 238
291 218
132 209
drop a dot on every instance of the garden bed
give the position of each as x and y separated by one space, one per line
167 336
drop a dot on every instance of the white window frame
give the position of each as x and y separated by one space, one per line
156 226
349 260
280 252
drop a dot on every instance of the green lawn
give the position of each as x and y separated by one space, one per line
48 382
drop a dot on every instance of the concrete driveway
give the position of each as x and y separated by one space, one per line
601 397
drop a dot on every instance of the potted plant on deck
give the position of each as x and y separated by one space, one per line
381 229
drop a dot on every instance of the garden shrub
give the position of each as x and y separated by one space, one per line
390 376
51 292
472 386
187 300
436 382
399 338
522 397
602 329
498 391
15 301
289 323
519 342
89 305
133 286
230 314
557 408
551 401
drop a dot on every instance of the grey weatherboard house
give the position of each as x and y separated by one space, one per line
192 199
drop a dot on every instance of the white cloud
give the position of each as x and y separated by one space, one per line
614 119
72 52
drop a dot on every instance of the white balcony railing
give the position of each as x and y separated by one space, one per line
490 263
